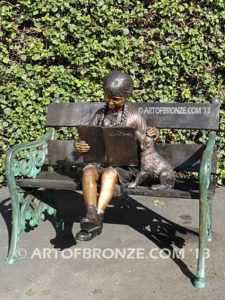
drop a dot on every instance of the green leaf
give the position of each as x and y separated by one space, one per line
126 31
101 3
23 57
5 60
36 56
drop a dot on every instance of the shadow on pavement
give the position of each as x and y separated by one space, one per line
6 212
125 210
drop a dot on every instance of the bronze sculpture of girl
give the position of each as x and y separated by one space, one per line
117 87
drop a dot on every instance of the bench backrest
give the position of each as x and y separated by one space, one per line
183 157
160 115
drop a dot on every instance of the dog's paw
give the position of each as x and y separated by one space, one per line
132 185
161 187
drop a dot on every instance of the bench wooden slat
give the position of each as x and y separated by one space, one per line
160 115
49 180
184 188
183 157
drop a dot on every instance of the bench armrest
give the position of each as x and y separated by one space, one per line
31 165
205 166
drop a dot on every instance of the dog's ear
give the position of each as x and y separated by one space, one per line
148 142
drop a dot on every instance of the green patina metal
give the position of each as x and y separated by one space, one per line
205 210
31 165
32 210
25 207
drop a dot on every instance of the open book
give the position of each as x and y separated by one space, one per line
110 146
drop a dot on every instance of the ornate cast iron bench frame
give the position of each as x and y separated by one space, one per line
26 174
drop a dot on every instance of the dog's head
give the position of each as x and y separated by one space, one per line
147 142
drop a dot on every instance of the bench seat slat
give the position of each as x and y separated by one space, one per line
49 180
184 188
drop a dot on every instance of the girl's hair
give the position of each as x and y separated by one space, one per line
118 84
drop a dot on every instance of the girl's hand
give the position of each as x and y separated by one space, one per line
81 146
153 132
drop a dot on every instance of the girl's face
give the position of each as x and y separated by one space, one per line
114 103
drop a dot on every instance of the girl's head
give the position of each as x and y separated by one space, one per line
118 84
118 87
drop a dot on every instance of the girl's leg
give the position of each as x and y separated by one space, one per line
89 185
91 225
109 179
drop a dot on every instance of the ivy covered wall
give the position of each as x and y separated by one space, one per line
173 49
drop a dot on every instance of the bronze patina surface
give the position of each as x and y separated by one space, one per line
153 165
117 87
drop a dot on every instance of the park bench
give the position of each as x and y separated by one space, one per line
38 170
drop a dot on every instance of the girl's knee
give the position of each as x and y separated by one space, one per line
89 172
109 172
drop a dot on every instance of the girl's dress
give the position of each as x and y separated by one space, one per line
128 116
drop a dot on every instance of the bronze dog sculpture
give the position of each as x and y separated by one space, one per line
153 165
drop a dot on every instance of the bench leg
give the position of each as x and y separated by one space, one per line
200 281
209 221
12 253
25 209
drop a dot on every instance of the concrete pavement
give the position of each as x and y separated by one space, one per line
136 256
